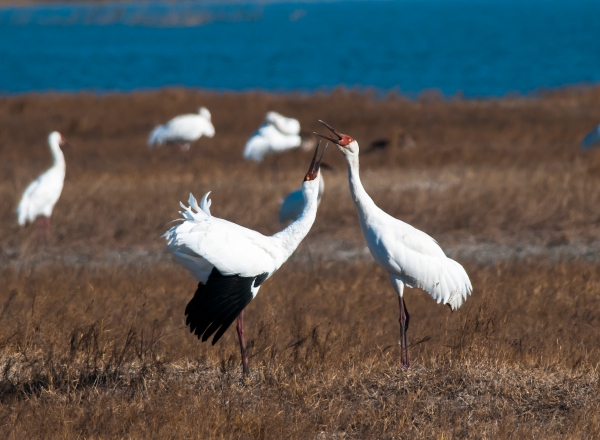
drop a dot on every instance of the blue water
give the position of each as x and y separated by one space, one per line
474 47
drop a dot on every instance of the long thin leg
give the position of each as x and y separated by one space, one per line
398 285
44 228
240 332
48 228
404 319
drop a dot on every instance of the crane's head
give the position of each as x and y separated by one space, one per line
315 165
345 143
57 139
203 111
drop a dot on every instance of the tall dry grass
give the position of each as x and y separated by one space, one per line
92 336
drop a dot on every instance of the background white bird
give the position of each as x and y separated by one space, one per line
592 139
293 204
41 195
183 130
231 262
277 134
411 257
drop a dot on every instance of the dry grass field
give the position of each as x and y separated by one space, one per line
92 336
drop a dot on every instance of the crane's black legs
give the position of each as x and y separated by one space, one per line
404 319
44 228
240 332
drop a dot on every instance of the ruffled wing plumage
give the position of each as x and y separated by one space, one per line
420 262
202 242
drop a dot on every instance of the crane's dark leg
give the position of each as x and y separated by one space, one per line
44 228
404 319
240 332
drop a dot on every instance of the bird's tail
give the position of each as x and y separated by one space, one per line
458 284
21 216
157 137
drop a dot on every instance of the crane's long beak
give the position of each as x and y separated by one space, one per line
63 141
333 130
315 165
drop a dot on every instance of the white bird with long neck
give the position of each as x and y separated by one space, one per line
411 257
183 130
41 195
231 262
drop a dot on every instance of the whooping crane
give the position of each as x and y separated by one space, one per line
183 130
41 195
276 134
231 262
411 257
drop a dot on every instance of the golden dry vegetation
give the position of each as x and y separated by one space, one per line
92 335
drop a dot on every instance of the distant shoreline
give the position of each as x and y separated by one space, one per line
427 95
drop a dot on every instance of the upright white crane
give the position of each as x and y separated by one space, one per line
231 262
592 139
183 130
411 257
276 134
41 195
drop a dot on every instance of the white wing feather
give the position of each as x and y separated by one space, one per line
203 241
416 257
40 196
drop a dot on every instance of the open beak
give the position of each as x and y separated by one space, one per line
334 131
63 141
313 170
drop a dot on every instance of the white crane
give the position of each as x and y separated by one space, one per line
276 134
42 194
231 262
592 139
411 257
183 130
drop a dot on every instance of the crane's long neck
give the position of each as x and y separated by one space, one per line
57 155
290 237
363 202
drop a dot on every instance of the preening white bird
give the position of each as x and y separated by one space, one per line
592 139
293 204
42 194
231 262
411 257
183 130
277 134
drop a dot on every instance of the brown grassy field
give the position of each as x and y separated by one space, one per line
92 336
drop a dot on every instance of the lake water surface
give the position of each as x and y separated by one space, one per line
474 47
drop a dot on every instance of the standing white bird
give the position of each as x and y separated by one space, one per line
231 262
277 134
592 139
410 256
42 194
293 204
183 130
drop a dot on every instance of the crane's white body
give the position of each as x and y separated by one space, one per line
183 130
293 204
592 139
42 194
410 256
277 134
203 242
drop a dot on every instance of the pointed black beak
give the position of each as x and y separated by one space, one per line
315 165
333 130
